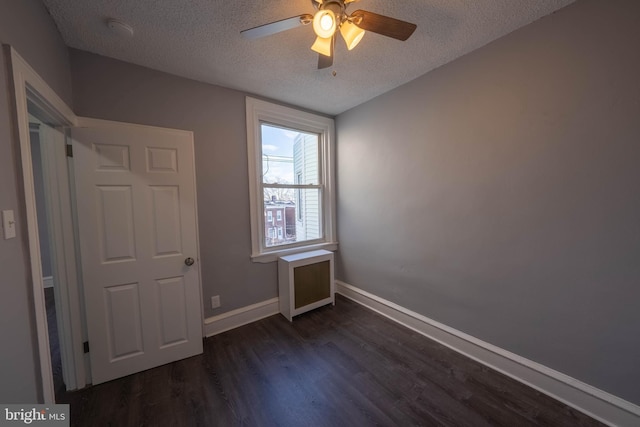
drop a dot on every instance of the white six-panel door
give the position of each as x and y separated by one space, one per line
135 189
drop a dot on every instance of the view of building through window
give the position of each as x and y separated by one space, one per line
291 184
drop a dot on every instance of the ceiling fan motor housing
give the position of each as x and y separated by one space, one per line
337 7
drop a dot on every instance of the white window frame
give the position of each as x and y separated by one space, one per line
279 215
299 198
259 112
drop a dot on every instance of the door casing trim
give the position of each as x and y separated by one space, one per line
29 86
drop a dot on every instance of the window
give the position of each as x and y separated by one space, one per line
269 216
291 172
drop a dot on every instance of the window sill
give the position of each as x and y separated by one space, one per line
273 256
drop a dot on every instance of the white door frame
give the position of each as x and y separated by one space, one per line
28 85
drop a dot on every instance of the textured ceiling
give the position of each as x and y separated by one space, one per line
200 39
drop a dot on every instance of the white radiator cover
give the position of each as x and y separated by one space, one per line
305 282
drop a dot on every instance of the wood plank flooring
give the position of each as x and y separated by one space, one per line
54 343
335 366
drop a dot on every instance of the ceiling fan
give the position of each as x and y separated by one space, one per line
332 17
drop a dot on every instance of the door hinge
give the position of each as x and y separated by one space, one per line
69 150
86 346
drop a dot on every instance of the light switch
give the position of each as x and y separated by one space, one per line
8 224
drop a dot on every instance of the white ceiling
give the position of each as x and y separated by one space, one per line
200 39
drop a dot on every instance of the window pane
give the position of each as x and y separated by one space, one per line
286 153
291 215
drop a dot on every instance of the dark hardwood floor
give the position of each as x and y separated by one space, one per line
54 343
335 366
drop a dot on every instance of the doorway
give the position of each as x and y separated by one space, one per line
33 95
36 129
56 236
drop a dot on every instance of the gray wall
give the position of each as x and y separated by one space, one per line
498 194
25 25
109 89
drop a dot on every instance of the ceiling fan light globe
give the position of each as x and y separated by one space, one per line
324 23
322 46
351 33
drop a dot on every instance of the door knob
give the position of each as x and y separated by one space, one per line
189 261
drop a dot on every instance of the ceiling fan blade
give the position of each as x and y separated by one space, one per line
390 27
326 61
276 27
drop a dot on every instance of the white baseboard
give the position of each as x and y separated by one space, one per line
241 316
594 402
47 282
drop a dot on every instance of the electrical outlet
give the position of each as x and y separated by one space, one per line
215 301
